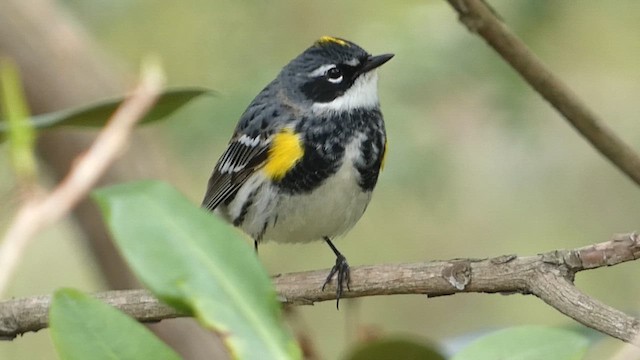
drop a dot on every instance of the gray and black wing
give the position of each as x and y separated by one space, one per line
243 157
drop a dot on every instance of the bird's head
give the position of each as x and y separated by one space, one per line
333 75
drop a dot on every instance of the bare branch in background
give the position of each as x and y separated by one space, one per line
481 19
41 211
548 276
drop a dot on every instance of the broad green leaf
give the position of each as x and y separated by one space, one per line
527 343
199 264
97 114
85 328
392 349
21 134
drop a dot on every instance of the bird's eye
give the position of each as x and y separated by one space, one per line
334 75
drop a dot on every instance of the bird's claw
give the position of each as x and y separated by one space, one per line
344 277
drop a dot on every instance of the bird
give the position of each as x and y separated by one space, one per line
305 155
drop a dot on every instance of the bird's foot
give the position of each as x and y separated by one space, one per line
344 277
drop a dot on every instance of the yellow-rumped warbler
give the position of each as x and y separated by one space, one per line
305 155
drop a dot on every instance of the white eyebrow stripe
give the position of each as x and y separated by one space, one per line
321 70
353 62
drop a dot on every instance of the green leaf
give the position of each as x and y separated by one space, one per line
97 114
21 133
527 343
198 264
392 349
85 328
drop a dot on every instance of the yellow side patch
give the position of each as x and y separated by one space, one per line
384 155
330 39
285 151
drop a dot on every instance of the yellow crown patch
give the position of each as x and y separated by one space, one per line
330 39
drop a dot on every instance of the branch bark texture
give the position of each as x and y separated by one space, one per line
481 19
549 276
38 212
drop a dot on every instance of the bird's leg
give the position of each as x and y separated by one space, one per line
255 244
342 269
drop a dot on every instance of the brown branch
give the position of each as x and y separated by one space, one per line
481 19
38 212
548 276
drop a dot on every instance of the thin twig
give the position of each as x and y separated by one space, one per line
39 212
548 276
481 19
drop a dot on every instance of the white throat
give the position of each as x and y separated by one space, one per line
363 94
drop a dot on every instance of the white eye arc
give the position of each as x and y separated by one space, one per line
334 75
336 80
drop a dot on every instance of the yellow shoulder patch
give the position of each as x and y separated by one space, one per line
384 155
330 39
285 151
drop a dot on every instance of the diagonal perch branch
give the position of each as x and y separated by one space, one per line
548 276
481 19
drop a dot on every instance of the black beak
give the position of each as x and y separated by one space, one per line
373 62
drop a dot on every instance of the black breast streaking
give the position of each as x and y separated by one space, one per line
325 144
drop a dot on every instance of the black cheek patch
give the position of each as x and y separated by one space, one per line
320 90
323 91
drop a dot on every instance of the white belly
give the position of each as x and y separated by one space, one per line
330 210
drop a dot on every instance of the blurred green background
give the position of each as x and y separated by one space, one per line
478 164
